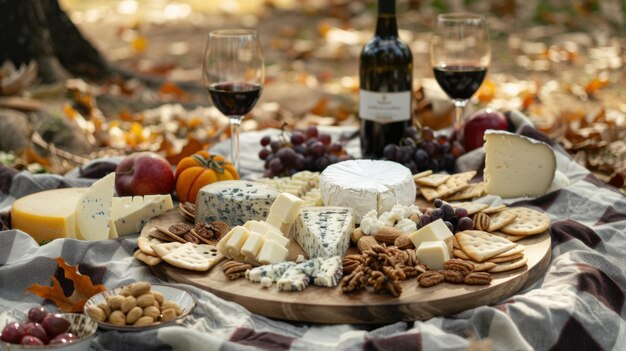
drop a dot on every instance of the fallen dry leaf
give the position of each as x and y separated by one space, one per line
83 289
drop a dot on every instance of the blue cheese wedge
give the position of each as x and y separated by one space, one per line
310 267
293 280
271 271
234 202
324 231
329 272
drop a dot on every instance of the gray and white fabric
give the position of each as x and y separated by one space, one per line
577 305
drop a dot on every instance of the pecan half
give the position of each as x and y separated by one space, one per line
351 262
478 278
430 278
394 273
190 238
204 231
451 276
354 281
456 264
219 229
189 207
481 221
179 229
409 271
235 270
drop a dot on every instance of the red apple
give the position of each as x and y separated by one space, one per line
144 173
480 121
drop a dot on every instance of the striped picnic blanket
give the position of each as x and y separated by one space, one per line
577 305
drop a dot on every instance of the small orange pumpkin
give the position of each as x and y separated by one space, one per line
195 171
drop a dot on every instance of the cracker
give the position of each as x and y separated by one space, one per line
422 174
500 219
494 209
455 244
465 176
482 266
164 249
480 246
460 254
509 266
210 253
451 186
187 257
505 258
512 238
147 259
173 236
156 234
471 207
528 222
145 246
473 190
433 180
517 249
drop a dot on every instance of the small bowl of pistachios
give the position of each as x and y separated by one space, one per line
140 306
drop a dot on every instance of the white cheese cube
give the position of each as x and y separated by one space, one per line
252 246
236 241
274 220
285 208
268 231
434 231
272 252
517 166
433 254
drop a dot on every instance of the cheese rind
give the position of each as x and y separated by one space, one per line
324 231
516 165
433 254
366 185
434 231
234 202
93 210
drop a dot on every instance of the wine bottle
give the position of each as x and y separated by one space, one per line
386 77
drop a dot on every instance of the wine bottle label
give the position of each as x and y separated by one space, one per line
385 107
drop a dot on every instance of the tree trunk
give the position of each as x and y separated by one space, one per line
40 30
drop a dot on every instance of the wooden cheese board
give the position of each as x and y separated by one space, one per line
331 305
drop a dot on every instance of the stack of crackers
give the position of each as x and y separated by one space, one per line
447 187
191 256
512 224
488 252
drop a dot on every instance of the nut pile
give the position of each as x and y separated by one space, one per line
380 267
136 305
455 271
201 233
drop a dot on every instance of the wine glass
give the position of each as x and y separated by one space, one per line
460 54
233 74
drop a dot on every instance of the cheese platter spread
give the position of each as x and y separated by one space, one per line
297 260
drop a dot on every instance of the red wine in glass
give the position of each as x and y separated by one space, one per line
460 82
233 98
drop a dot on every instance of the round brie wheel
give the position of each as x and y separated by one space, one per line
367 185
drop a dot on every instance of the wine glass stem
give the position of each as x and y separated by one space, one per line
459 121
235 123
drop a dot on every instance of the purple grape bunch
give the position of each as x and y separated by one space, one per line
420 150
456 219
301 150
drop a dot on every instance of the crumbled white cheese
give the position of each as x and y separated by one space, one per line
266 282
370 223
406 226
300 259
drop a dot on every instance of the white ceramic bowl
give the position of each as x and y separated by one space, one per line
183 298
81 325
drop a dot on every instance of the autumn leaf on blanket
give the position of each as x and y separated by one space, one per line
83 289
